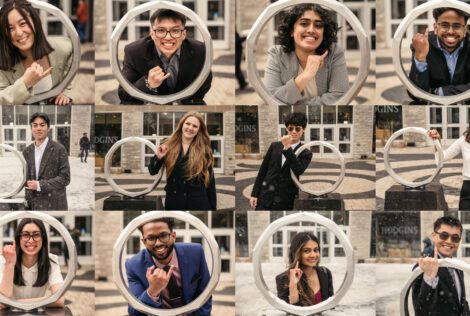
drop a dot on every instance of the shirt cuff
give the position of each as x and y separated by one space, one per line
432 282
441 93
421 66
39 187
156 299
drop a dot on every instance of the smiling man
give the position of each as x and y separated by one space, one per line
48 169
441 291
441 58
167 274
165 62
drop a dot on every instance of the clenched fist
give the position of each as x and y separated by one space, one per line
421 45
9 253
286 141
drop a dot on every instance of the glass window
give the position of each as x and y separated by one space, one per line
150 124
246 129
216 146
277 237
119 9
314 134
165 123
466 236
107 132
56 247
84 224
8 115
241 234
9 230
345 134
435 115
128 216
452 115
328 134
215 10
398 9
329 114
215 124
225 266
217 32
345 114
54 28
50 111
224 244
465 217
84 248
277 251
189 3
222 219
202 215
344 148
314 114
133 245
22 115
453 133
8 135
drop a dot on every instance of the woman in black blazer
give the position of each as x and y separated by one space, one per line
189 163
304 283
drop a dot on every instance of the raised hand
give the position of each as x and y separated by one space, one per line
421 45
34 73
161 151
434 134
158 279
429 265
156 76
286 141
9 253
253 201
295 274
314 62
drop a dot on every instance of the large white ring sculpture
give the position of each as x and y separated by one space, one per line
49 8
278 6
121 26
340 158
446 262
396 51
23 163
119 277
278 303
107 166
72 269
394 175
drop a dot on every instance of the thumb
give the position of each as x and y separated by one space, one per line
45 73
14 243
426 33
324 55
435 254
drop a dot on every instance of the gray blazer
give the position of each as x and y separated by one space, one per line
331 79
12 88
53 177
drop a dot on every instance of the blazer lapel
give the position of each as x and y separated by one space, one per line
295 149
186 56
45 157
182 263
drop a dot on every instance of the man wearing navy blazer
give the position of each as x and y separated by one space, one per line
167 274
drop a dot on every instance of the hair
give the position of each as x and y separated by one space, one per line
289 17
467 135
436 13
161 14
200 153
306 295
41 115
448 220
297 119
11 55
44 265
168 220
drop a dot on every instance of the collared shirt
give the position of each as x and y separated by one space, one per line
284 157
165 294
174 60
451 60
38 153
432 282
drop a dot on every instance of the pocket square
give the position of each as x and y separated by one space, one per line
195 277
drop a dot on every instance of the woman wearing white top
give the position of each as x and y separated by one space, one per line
462 145
27 269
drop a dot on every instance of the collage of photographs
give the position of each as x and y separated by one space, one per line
235 157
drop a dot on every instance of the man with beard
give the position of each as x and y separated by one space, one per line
441 58
167 274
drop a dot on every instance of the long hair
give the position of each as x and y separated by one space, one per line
467 135
11 55
200 152
289 17
44 266
306 295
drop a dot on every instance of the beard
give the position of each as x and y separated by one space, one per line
162 256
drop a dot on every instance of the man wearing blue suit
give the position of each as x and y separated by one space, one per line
167 274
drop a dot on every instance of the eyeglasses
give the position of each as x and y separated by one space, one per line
445 235
26 236
161 32
444 26
164 238
297 128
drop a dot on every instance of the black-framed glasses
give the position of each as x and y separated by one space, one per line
457 27
161 32
37 236
164 238
297 129
445 235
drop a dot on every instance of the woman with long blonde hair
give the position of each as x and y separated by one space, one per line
188 160
304 283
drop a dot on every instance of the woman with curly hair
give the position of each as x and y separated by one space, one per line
308 67
188 160
304 283
30 64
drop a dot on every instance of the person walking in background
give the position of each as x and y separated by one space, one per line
428 248
84 145
82 19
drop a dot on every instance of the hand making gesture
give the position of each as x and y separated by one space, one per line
34 73
9 253
161 151
421 45
156 76
429 265
158 279
295 274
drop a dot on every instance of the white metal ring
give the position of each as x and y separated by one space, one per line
394 175
119 277
396 51
23 164
278 303
121 26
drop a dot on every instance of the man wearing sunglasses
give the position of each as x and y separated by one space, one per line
165 62
441 58
274 188
441 291
167 274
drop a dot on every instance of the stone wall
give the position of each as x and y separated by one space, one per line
110 226
360 225
81 123
363 117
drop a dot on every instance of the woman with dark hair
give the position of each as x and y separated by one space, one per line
304 283
308 67
460 146
189 163
27 269
30 64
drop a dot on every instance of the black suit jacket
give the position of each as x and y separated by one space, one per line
141 56
324 276
437 75
443 300
274 187
53 177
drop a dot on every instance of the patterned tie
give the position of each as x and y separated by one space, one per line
176 295
169 67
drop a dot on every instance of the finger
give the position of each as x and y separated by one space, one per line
149 270
156 68
48 71
297 265
166 76
170 271
426 33
324 55
14 244
435 254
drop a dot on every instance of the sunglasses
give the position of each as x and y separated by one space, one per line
445 235
297 128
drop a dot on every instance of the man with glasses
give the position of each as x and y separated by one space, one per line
441 291
167 274
441 58
165 62
274 188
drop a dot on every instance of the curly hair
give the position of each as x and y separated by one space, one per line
289 17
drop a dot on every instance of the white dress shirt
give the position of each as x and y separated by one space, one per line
459 146
284 157
432 282
38 152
